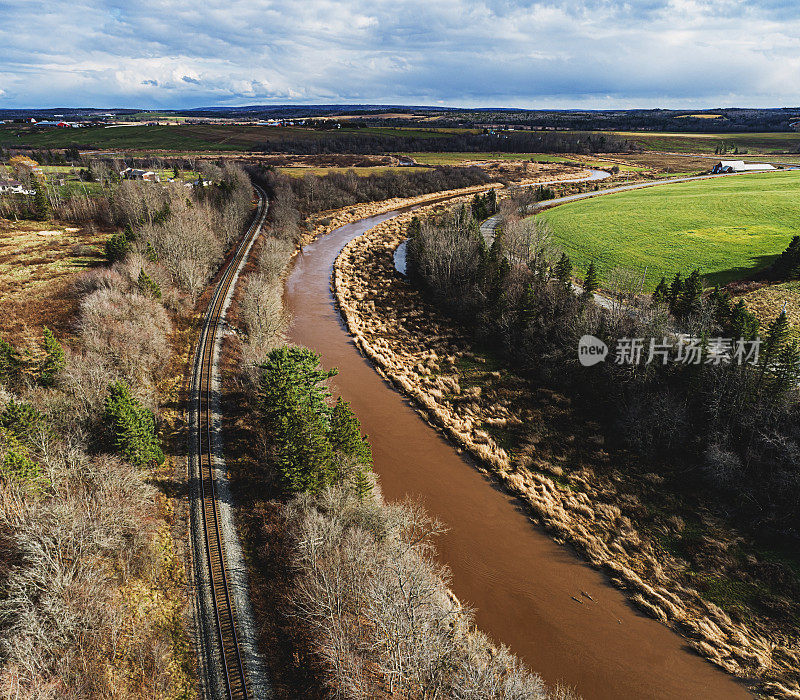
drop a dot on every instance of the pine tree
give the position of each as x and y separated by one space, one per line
116 247
362 484
777 334
17 463
345 433
590 283
10 361
129 233
742 324
492 201
54 359
297 418
787 265
564 270
786 368
305 457
150 253
690 297
661 292
147 285
21 419
132 427
675 289
41 204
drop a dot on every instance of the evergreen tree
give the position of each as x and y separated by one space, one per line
563 270
41 204
129 233
54 359
116 247
786 369
132 427
742 324
147 285
661 292
690 297
787 265
20 419
675 289
297 418
345 433
10 361
491 199
305 458
777 334
590 283
17 464
150 253
362 484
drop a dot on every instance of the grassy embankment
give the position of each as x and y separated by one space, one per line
728 228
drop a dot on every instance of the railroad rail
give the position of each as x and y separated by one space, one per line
224 660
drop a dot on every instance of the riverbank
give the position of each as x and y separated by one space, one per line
275 565
598 501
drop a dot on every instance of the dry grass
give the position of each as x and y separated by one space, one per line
38 260
766 303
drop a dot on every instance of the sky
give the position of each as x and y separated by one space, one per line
591 54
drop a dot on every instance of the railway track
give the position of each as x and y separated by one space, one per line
223 659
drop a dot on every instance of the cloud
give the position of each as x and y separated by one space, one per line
555 53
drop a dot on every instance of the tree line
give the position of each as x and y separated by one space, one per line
734 425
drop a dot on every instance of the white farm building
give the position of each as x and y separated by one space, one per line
739 166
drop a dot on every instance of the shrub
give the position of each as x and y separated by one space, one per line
9 361
53 361
20 419
147 285
117 248
132 427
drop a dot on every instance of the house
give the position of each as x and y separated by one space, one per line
136 174
739 166
14 187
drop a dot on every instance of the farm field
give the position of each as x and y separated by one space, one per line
727 228
752 143
461 158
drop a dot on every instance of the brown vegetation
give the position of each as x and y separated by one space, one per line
94 591
37 264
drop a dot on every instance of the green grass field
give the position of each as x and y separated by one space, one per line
727 228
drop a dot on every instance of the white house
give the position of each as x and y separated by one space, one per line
739 166
136 174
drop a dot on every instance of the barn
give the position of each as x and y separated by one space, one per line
739 166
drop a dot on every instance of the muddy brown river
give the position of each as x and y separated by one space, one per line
520 582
